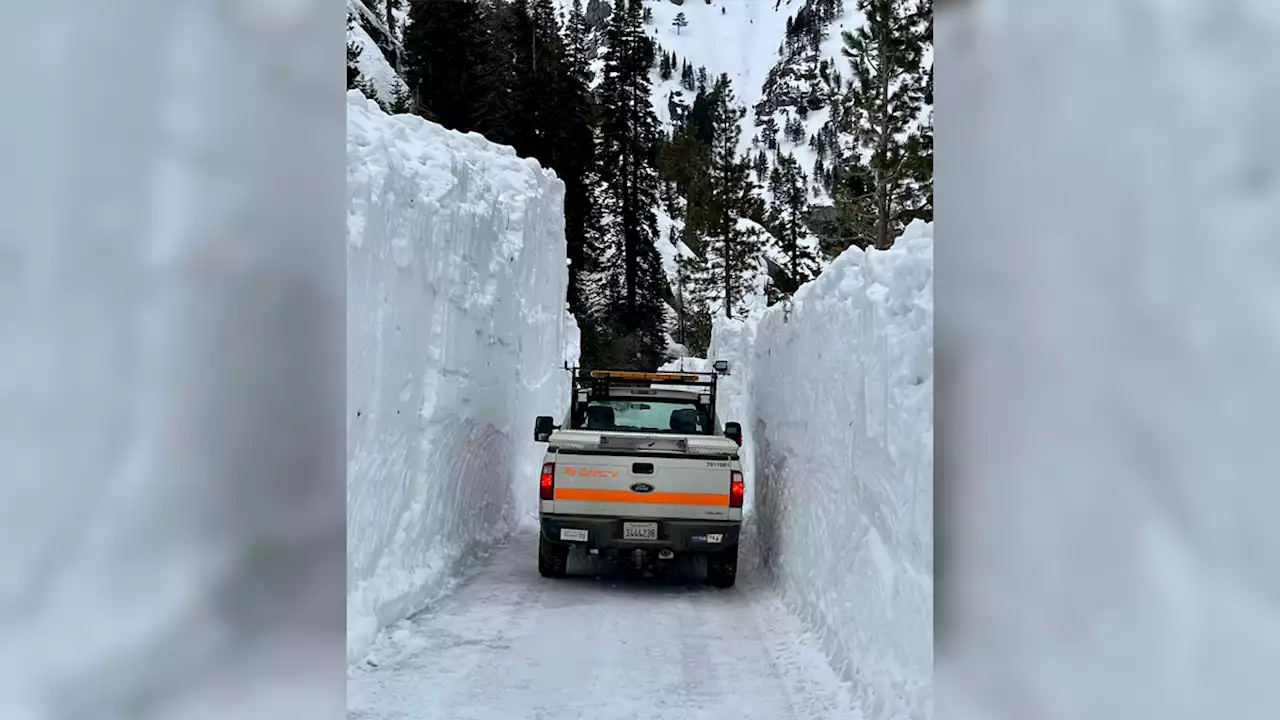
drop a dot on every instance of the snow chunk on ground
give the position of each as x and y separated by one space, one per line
834 390
456 333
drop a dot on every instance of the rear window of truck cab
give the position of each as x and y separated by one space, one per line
660 415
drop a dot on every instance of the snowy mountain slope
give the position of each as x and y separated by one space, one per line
373 65
740 41
772 75
800 82
744 41
455 328
367 17
737 38
375 69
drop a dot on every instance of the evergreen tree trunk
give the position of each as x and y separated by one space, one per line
789 245
680 304
391 42
726 235
882 153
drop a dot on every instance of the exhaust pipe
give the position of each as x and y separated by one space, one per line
665 554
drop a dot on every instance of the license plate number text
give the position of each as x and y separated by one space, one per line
640 531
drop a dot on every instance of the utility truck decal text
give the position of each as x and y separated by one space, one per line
590 472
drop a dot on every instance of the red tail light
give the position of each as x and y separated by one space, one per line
736 489
547 486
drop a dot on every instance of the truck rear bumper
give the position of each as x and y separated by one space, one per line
676 535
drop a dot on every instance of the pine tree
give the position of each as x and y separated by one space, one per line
579 172
680 22
544 95
401 101
498 116
628 134
680 336
443 46
700 117
731 254
918 190
883 101
919 145
794 130
687 80
674 108
693 312
577 56
762 164
523 85
789 187
393 57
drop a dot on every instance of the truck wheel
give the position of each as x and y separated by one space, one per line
722 567
552 558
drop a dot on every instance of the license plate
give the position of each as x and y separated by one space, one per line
573 535
640 531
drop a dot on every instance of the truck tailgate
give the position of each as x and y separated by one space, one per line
657 486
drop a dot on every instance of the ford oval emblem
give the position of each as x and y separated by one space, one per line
642 487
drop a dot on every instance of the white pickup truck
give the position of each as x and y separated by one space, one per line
640 468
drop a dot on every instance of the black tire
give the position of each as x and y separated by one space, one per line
553 558
722 567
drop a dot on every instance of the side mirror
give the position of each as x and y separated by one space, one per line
543 427
721 366
733 431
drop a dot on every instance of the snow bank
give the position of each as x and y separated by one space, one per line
835 394
456 330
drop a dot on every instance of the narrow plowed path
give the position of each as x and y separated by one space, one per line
509 644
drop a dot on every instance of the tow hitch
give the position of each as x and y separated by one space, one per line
642 558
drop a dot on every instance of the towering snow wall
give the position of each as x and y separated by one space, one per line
456 333
835 394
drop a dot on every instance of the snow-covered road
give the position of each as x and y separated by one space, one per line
456 325
511 644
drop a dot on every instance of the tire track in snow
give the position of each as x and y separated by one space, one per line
511 644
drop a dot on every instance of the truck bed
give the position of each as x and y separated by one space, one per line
641 475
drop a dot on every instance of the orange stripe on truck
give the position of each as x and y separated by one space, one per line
627 496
